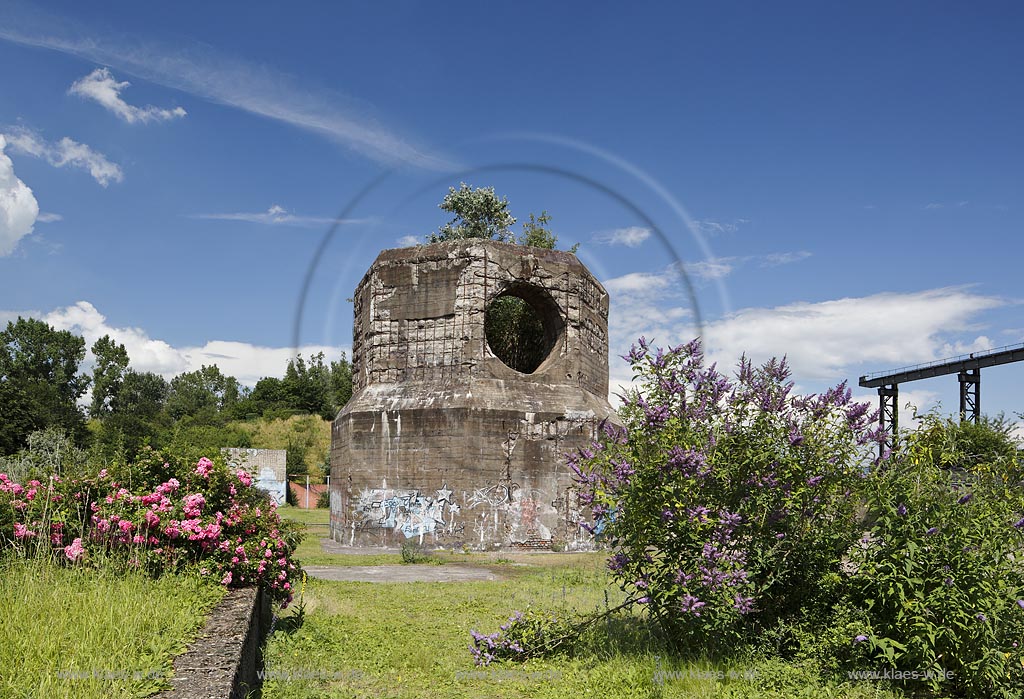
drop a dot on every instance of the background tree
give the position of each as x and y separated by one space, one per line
306 384
39 382
111 363
202 394
136 417
340 388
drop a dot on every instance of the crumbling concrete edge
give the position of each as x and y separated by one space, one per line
224 662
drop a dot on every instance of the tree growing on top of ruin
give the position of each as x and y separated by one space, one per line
480 213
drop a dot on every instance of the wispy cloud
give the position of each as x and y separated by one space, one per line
19 209
631 237
101 87
715 268
775 259
408 241
198 70
709 227
932 206
721 267
277 216
49 217
64 153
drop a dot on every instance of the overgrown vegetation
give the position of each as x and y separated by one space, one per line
745 521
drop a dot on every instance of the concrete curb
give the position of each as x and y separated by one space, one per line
224 661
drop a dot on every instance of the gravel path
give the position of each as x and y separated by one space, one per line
418 572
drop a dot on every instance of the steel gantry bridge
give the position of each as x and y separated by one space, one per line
968 369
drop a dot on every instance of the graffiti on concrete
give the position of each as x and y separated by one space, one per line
497 495
407 511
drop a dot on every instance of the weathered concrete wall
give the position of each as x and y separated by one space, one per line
267 466
444 443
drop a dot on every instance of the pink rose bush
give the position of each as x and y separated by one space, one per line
208 518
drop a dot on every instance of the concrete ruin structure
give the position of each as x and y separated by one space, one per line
444 443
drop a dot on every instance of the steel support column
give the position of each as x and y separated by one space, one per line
888 414
970 395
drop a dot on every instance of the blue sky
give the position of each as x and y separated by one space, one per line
841 184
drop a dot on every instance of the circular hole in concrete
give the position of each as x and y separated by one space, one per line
522 326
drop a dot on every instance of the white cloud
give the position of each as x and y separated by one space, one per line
19 209
101 87
200 71
65 152
49 217
642 303
246 362
823 341
408 241
645 283
631 237
278 216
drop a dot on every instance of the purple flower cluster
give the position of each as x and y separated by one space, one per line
691 605
689 462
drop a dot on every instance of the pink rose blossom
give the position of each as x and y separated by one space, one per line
75 550
244 478
169 487
22 532
193 504
226 580
204 467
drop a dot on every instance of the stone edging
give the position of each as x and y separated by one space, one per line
223 662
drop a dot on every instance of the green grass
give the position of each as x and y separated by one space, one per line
410 640
311 516
89 633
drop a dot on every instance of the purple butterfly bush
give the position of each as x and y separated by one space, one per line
699 461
